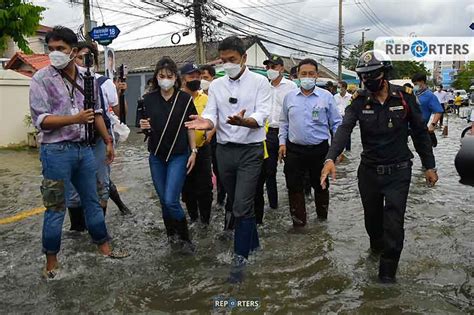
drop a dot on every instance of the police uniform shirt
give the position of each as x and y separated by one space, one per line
175 138
384 128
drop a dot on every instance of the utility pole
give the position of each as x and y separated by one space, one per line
200 54
339 52
87 20
363 41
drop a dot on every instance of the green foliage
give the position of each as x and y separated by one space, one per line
465 78
351 61
17 20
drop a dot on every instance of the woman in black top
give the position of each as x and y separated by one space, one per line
172 147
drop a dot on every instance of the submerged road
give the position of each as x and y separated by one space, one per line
327 269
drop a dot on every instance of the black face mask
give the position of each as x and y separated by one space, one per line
374 85
193 85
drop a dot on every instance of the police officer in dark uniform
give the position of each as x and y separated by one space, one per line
384 112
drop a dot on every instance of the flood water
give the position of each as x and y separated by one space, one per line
326 270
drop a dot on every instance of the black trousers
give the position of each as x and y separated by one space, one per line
220 188
259 194
240 166
304 159
384 197
271 165
197 190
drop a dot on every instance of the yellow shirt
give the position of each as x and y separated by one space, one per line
458 100
265 151
200 102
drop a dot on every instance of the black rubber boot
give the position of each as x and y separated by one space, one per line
78 223
388 270
170 228
114 195
376 246
183 234
192 207
321 200
297 208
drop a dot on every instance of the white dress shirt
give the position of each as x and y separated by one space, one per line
253 93
342 102
442 96
278 95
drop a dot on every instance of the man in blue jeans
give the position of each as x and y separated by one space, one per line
57 110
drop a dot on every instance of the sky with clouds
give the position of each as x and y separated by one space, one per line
314 19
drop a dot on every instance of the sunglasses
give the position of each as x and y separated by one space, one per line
371 75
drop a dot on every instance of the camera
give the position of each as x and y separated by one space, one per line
89 60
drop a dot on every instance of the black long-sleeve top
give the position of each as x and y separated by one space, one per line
167 123
384 128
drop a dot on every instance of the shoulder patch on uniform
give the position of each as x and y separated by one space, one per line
408 90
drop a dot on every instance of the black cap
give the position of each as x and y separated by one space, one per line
274 60
189 68
372 60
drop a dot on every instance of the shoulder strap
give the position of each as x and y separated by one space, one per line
167 122
179 126
73 82
101 80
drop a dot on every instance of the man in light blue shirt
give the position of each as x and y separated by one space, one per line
308 116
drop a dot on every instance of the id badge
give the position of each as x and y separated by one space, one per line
74 111
315 114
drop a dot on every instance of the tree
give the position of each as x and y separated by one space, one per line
401 69
18 19
465 78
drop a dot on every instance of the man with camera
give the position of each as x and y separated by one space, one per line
58 111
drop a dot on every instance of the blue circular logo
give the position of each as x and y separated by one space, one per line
232 303
419 48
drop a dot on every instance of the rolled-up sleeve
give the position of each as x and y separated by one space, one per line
210 112
335 118
283 131
263 103
39 104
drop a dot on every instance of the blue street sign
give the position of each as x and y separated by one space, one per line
105 33
472 26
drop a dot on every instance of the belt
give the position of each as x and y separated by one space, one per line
234 144
271 129
390 168
306 146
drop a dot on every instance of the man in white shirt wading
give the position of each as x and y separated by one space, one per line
343 99
239 104
280 87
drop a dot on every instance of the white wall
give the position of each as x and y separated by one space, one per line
256 56
14 105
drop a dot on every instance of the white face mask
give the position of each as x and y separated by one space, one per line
84 69
232 69
273 74
59 60
308 83
205 85
166 84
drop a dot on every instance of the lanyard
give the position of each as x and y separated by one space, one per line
71 91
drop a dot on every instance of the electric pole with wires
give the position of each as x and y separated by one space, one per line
87 20
200 54
339 48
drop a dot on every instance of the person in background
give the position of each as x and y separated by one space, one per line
260 191
208 73
197 190
457 102
239 104
280 88
57 111
408 85
172 148
429 104
331 87
308 116
443 100
294 75
343 99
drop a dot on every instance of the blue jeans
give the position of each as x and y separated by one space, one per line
65 163
168 179
103 177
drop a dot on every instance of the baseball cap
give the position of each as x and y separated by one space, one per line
189 68
274 59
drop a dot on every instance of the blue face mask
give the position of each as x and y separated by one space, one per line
416 88
308 83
